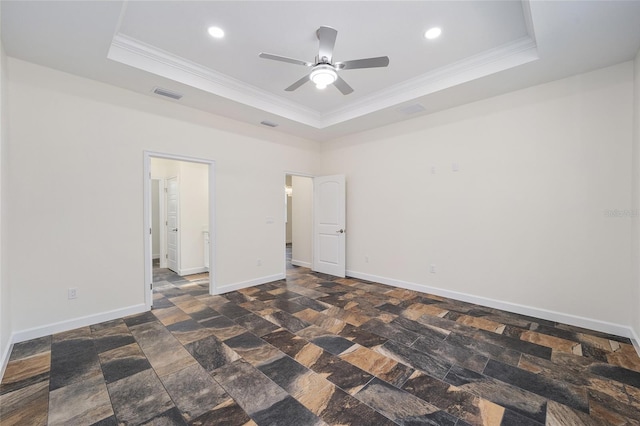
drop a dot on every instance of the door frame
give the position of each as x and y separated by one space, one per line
146 230
284 230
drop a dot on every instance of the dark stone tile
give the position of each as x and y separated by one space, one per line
339 372
109 342
419 360
218 322
616 373
519 400
227 414
511 418
310 303
549 388
288 321
402 407
335 300
204 314
256 324
362 337
231 310
194 391
391 331
170 417
123 362
211 353
614 405
391 308
286 341
286 412
30 348
285 372
239 376
451 353
333 344
71 361
489 350
162 303
421 329
514 344
343 409
458 403
286 305
109 421
236 297
139 398
139 319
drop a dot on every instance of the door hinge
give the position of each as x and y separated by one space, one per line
151 286
165 190
166 256
150 231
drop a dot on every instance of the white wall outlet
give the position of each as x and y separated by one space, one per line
72 293
432 268
366 259
433 170
455 167
259 262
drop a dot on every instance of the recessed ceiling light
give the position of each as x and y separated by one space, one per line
216 32
433 33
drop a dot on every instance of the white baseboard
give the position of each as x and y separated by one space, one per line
250 283
58 327
191 271
300 263
635 339
589 323
4 360
155 256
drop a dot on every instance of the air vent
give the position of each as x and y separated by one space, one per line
168 93
269 123
411 109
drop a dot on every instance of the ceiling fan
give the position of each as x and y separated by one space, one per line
324 71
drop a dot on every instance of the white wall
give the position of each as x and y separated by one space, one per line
302 202
636 197
68 135
522 221
194 215
5 290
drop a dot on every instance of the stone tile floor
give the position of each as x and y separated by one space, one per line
315 350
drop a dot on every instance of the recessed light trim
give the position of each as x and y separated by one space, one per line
216 32
433 33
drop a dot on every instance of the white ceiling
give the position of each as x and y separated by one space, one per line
487 48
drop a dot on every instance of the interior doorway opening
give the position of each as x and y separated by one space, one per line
298 221
179 224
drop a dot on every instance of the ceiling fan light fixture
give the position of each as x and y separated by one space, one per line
215 32
432 33
323 75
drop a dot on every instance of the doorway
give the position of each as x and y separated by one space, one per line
181 231
298 221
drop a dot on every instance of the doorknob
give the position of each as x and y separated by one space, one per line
175 229
340 231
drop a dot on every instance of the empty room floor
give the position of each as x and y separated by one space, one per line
313 350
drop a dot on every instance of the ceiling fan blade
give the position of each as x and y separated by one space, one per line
342 86
297 84
285 59
381 61
327 37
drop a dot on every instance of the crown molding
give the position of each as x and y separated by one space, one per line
135 53
489 62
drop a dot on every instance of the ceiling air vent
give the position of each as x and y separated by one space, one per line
411 109
168 93
269 123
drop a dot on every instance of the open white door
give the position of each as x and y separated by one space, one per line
329 215
173 236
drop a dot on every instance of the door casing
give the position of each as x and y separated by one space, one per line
148 272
